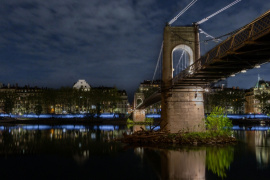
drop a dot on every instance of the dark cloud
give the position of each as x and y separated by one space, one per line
55 43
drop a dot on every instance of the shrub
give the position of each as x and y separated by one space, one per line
218 123
129 121
149 120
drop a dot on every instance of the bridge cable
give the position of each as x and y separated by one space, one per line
219 11
178 64
182 12
185 66
159 57
208 35
228 34
206 19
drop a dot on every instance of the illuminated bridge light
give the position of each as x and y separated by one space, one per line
244 71
257 66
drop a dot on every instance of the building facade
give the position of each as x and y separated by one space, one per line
252 105
22 98
80 98
231 99
145 90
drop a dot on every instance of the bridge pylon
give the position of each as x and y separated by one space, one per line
182 106
138 114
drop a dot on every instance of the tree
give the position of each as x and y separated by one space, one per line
237 100
49 98
66 97
103 98
38 109
218 123
9 99
227 98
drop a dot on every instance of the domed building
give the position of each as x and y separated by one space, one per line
82 84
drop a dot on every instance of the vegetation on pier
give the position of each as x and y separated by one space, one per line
218 131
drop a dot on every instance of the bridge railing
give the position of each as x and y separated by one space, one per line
250 32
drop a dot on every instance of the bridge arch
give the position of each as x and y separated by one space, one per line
182 56
138 99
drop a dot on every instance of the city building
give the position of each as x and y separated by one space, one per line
145 90
22 98
232 99
252 105
123 105
116 101
82 84
147 85
77 99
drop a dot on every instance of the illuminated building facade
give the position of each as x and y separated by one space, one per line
24 100
225 99
252 105
82 84
145 90
21 96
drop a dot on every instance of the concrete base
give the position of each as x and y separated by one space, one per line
182 110
139 115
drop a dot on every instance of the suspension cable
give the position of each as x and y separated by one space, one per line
178 64
219 11
159 57
182 12
185 61
208 35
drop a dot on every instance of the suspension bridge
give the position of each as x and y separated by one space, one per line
184 80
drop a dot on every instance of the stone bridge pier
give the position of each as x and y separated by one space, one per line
183 110
138 114
182 105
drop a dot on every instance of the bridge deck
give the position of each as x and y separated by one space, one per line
246 49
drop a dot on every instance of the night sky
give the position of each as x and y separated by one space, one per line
53 43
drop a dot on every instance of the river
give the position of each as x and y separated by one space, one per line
77 151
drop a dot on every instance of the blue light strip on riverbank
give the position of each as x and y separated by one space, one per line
66 116
251 128
66 127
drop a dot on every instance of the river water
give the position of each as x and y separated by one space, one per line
88 152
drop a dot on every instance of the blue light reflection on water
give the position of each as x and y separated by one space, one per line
114 115
89 155
231 116
65 127
116 127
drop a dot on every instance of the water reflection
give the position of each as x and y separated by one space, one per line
219 159
188 163
68 140
257 139
138 128
88 150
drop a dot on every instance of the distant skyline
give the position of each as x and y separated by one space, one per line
55 43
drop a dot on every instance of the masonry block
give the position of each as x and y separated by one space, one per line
184 111
139 115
